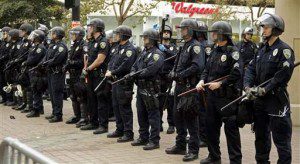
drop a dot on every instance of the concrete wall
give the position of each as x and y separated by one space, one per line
289 10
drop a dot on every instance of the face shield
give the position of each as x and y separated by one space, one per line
32 36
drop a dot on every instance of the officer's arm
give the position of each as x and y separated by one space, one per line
236 70
40 53
59 57
102 54
153 67
128 60
285 70
198 62
250 74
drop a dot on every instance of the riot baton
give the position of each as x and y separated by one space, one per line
195 89
243 96
100 84
135 73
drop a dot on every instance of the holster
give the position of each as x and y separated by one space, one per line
150 99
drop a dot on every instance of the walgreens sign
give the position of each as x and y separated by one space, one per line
189 8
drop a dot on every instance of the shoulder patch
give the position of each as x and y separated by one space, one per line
102 45
197 49
155 57
208 50
85 49
39 50
275 52
287 53
223 58
60 49
236 55
128 53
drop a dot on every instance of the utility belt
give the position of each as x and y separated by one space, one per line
98 72
150 85
188 82
74 72
55 69
229 92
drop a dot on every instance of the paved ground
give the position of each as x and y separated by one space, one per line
67 144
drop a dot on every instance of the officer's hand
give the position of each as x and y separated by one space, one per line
214 85
162 47
250 93
200 86
259 92
108 73
84 73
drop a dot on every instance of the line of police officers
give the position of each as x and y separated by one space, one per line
161 71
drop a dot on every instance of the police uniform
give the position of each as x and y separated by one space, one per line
56 58
123 58
191 61
167 101
223 60
272 111
98 101
148 88
74 66
35 55
247 51
4 58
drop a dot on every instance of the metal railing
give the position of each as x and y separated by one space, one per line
12 151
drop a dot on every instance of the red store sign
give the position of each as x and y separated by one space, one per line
190 9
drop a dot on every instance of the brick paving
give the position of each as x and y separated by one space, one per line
67 144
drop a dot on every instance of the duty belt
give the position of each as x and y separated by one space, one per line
56 69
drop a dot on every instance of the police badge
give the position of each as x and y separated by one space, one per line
122 51
38 50
275 52
223 58
77 49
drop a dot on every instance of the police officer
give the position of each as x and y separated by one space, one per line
4 56
36 54
97 65
191 61
223 60
151 60
55 59
74 66
246 47
201 34
23 79
167 101
11 71
275 60
124 57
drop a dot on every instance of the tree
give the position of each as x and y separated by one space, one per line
14 13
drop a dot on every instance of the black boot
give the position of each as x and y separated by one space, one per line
72 120
151 146
81 122
100 130
115 134
55 119
190 157
33 114
139 142
22 106
89 127
125 138
26 110
176 150
42 111
171 130
49 117
210 160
